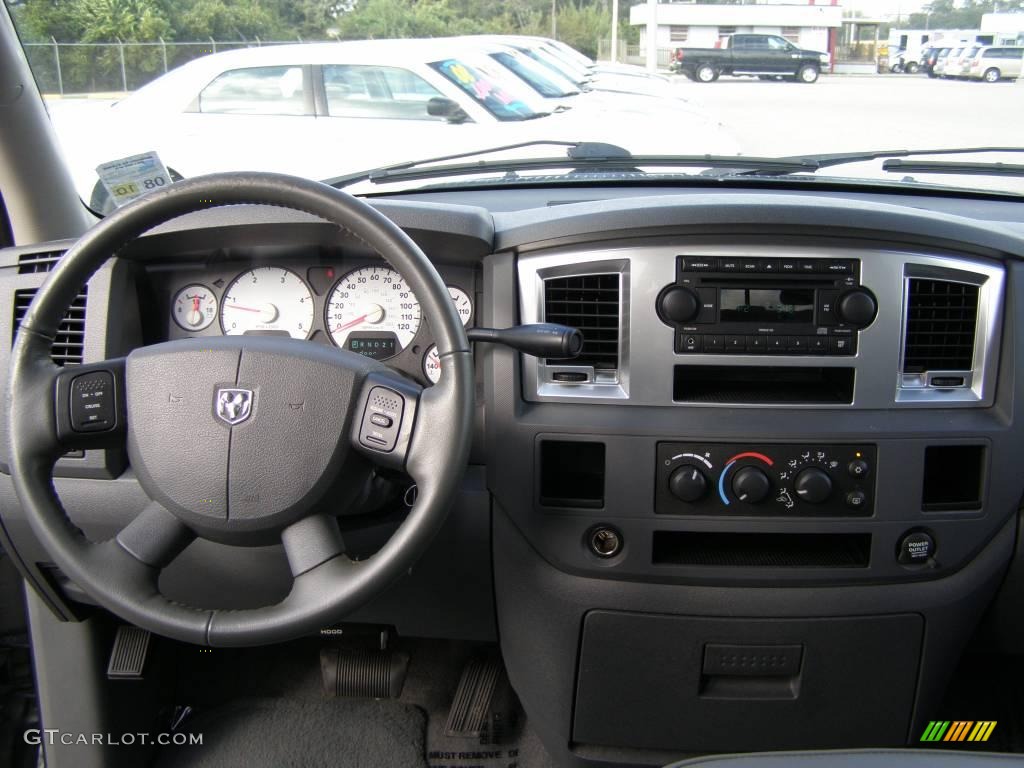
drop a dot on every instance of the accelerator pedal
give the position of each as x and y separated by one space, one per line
484 706
128 656
367 674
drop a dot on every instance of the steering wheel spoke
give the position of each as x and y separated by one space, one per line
89 405
155 537
311 542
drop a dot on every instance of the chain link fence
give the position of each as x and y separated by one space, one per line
84 68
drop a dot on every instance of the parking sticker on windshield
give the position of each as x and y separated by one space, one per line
132 177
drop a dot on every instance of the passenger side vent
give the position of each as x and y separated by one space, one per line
942 318
69 345
32 263
590 303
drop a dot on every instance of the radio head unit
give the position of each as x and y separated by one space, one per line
756 305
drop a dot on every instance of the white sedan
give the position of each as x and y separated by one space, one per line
327 109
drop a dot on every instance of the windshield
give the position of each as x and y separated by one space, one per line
143 93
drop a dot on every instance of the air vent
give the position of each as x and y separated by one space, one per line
942 317
590 303
31 263
69 344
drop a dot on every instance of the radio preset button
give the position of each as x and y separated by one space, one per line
756 344
817 345
735 343
714 343
775 344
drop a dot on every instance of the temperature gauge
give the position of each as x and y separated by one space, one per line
463 304
432 365
194 307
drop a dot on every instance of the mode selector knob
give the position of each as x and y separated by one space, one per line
751 485
687 483
813 485
677 304
857 307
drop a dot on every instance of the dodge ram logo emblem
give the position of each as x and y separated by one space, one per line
233 406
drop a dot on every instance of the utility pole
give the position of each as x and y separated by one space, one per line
615 30
652 35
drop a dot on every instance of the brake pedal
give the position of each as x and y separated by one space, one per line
363 674
128 656
484 706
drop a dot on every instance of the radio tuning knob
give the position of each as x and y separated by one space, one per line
687 483
677 304
813 485
857 307
751 485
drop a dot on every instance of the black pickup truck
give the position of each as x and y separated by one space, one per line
765 56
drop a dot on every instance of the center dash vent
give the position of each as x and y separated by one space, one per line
942 318
590 303
31 263
69 344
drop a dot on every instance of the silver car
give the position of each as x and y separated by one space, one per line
993 63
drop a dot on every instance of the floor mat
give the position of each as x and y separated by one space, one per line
287 733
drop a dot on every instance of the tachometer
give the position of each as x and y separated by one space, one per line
267 300
373 312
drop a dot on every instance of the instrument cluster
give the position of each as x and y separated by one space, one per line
366 308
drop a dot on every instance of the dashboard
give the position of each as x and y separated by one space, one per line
794 423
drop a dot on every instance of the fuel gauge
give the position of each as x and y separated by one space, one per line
194 307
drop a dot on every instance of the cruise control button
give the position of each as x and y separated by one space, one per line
380 420
92 402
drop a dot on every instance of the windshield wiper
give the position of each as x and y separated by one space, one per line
580 156
831 159
939 166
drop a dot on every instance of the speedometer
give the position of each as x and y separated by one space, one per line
373 312
267 301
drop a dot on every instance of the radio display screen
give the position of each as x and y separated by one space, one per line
771 305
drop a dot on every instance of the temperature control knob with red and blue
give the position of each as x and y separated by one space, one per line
789 479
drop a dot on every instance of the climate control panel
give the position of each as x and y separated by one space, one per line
781 480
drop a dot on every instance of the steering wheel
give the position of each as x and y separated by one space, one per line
241 440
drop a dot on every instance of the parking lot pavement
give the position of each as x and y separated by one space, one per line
842 113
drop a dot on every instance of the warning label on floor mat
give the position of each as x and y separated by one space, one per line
478 758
